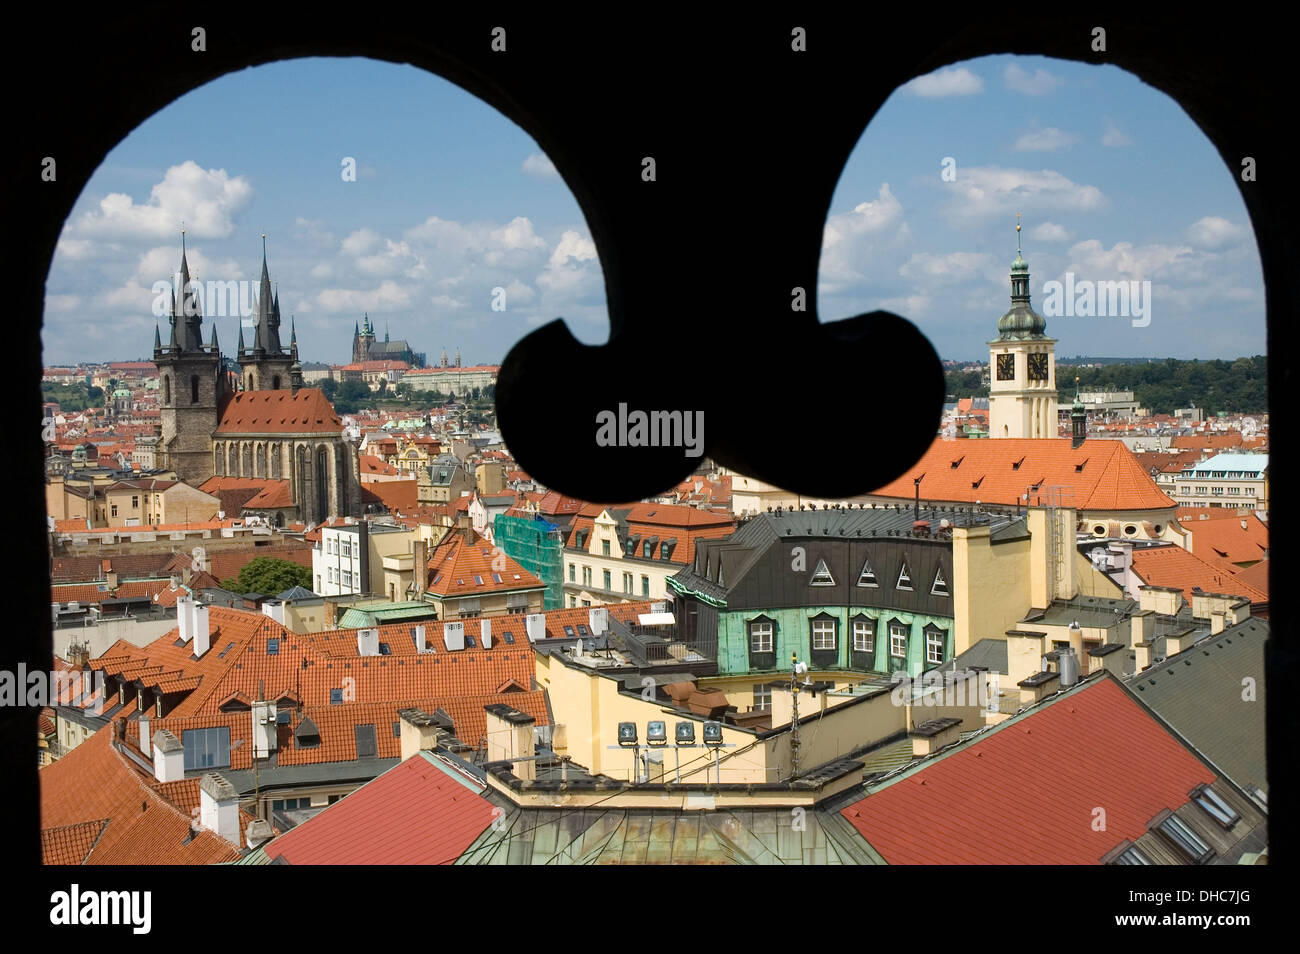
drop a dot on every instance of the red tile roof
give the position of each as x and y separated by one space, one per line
393 494
1229 543
424 811
139 824
455 564
1101 474
1175 567
687 524
1255 577
92 592
279 412
369 464
1224 441
1026 792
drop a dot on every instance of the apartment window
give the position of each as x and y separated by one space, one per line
934 639
347 548
760 637
586 602
823 634
586 576
645 586
864 635
604 547
1184 839
1216 807
1201 491
898 640
469 608
606 576
573 572
663 551
573 601
1234 490
347 577
114 509
516 603
135 503
646 550
627 583
762 696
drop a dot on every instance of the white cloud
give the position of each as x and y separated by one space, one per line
1049 232
987 191
446 301
539 166
361 242
62 302
929 269
1212 232
1113 136
852 241
389 296
205 200
956 81
1045 140
1038 83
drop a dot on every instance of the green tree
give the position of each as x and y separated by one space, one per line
329 387
268 576
350 396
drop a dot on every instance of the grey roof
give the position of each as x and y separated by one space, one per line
988 654
755 535
296 593
1200 693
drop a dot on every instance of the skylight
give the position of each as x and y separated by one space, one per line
821 575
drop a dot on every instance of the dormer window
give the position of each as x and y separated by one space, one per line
940 586
821 575
868 576
904 581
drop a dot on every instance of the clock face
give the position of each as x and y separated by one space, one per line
1038 367
1006 367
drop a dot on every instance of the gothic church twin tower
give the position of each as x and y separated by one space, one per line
1022 365
263 425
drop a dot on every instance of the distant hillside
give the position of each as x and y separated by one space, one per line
1233 387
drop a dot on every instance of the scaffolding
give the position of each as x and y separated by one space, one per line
537 545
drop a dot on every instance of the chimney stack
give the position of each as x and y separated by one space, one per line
1216 623
421 639
419 732
202 636
219 807
368 642
465 527
185 618
420 566
168 757
1143 653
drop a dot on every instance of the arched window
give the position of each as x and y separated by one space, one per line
275 383
259 461
275 462
194 389
218 460
322 483
246 462
167 389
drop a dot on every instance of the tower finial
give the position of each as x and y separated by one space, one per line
182 237
1017 233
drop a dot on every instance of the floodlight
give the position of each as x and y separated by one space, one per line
656 733
627 733
713 733
686 733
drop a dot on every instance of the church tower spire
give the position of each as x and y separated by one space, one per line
1022 364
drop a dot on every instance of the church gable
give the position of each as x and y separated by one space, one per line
279 412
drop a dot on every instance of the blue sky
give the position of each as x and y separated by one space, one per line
1114 181
453 200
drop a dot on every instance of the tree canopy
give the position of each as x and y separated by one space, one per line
268 576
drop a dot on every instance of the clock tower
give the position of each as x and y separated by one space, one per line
1022 365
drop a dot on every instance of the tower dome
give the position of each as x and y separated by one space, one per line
1020 320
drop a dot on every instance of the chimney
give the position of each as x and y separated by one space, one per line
1175 643
331 613
185 617
1244 525
485 632
420 566
419 732
202 636
421 639
535 626
368 642
510 736
465 527
363 543
1216 623
265 728
453 636
258 832
111 576
931 736
219 807
1143 652
168 757
598 620
1142 627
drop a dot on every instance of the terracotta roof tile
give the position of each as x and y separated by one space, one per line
1017 784
1101 474
1175 567
279 412
458 568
